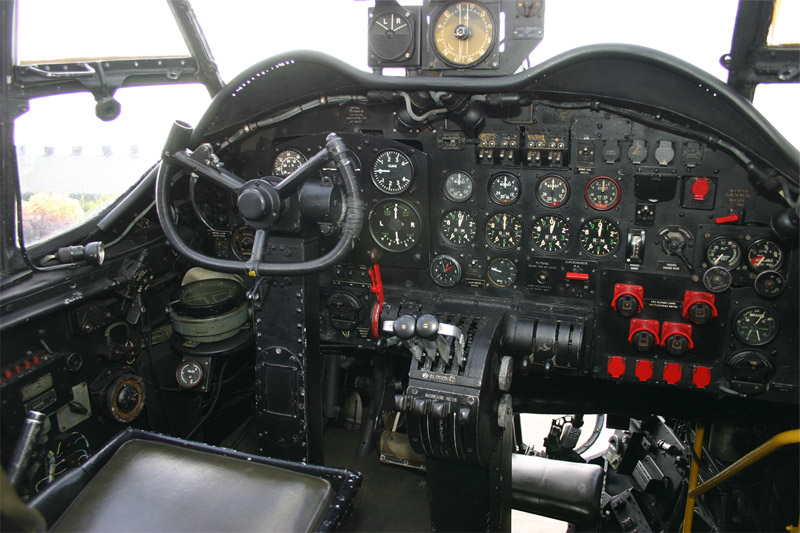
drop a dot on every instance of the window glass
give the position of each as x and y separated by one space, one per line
55 29
778 102
72 164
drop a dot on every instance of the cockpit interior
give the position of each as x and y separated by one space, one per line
362 283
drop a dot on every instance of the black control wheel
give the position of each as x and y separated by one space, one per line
259 201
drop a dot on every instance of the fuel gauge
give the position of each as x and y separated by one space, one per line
724 252
764 255
445 270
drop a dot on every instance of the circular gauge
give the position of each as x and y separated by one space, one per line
504 230
724 252
769 284
504 189
392 172
463 33
189 374
395 225
458 227
286 162
599 237
242 242
390 35
125 397
502 272
552 191
755 326
458 186
717 279
550 234
764 255
602 193
445 270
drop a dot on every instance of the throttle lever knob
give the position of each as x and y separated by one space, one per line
404 327
427 326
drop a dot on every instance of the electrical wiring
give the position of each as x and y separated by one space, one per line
217 393
130 226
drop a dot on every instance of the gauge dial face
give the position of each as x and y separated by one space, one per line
769 284
502 272
550 234
445 270
599 237
458 186
242 242
458 227
395 225
552 191
189 374
764 255
724 252
392 172
504 189
286 162
755 326
602 193
463 33
717 279
504 230
390 35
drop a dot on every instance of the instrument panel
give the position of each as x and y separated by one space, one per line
658 243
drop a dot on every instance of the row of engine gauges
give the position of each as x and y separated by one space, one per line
445 270
601 193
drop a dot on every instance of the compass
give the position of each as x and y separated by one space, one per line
464 33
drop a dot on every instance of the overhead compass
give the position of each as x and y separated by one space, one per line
464 33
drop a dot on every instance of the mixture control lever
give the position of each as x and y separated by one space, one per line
426 336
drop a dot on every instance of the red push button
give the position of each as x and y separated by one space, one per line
701 377
8 374
577 276
35 359
616 366
27 365
700 188
644 370
17 369
672 373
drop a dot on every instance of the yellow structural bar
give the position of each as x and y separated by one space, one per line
778 441
688 514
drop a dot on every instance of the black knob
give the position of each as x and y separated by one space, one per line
427 326
699 313
627 305
421 407
441 409
402 402
548 368
677 345
380 345
405 327
464 415
252 204
643 341
525 366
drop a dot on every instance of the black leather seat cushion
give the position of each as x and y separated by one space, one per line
153 486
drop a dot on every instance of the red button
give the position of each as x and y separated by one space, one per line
8 374
644 369
616 366
672 373
701 377
27 365
35 359
577 276
733 217
17 369
700 189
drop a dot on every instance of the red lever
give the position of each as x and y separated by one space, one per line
377 289
577 276
733 217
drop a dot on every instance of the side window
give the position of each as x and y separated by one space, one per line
72 165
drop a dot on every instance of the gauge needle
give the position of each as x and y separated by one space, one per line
397 237
758 260
599 229
395 211
460 219
381 25
552 225
448 268
495 269
504 221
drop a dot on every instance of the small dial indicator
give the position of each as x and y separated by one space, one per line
392 172
724 252
445 270
390 35
458 186
602 193
189 374
764 255
502 272
755 326
459 227
550 234
599 237
395 225
769 284
717 279
504 230
286 162
552 191
504 189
